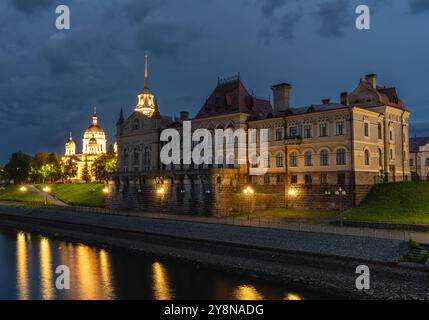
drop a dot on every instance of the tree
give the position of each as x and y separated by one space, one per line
2 173
69 169
104 165
46 167
86 175
18 168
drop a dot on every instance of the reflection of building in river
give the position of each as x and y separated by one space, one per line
22 267
46 270
160 283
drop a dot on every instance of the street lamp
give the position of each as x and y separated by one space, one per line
23 189
248 192
292 192
338 193
46 190
105 190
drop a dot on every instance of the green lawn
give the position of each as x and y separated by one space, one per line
294 214
12 193
78 193
404 202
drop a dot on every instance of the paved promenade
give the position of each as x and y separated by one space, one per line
357 247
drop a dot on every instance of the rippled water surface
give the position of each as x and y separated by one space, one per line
28 263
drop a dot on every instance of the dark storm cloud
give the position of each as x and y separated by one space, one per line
282 16
419 6
334 18
31 6
50 79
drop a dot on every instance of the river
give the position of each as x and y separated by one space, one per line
28 265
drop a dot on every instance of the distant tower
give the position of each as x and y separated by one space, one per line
146 100
94 138
70 146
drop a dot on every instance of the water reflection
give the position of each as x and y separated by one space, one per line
160 284
46 278
247 292
116 274
22 268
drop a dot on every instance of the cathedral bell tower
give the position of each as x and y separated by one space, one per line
146 100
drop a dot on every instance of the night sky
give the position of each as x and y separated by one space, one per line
50 79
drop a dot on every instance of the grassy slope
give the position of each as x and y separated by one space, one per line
406 202
12 193
78 194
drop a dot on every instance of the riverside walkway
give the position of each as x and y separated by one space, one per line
204 229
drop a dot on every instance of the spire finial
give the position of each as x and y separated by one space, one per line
70 134
145 69
94 117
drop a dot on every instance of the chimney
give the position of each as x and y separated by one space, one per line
281 93
372 79
326 101
345 98
184 115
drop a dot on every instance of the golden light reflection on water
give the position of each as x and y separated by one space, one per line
293 296
46 272
160 283
22 267
106 273
247 292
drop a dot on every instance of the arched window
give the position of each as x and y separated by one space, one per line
136 157
308 159
126 159
279 160
341 157
293 162
367 158
136 124
147 156
324 158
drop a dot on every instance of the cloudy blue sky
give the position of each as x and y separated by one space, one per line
50 79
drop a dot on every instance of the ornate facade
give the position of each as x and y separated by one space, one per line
326 155
94 144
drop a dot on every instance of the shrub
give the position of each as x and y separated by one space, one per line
424 256
414 244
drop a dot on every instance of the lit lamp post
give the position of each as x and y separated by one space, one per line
249 192
46 190
23 189
340 193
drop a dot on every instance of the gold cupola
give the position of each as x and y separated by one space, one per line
146 100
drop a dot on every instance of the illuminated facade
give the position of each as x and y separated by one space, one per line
322 156
94 144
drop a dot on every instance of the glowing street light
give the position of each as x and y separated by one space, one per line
46 190
23 189
248 191
160 191
105 190
292 192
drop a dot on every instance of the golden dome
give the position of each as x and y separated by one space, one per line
70 141
93 142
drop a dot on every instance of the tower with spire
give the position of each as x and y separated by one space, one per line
146 101
70 146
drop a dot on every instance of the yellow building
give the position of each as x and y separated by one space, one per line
94 144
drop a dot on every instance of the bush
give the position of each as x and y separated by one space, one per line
424 256
414 244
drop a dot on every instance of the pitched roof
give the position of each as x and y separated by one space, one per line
417 142
232 96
